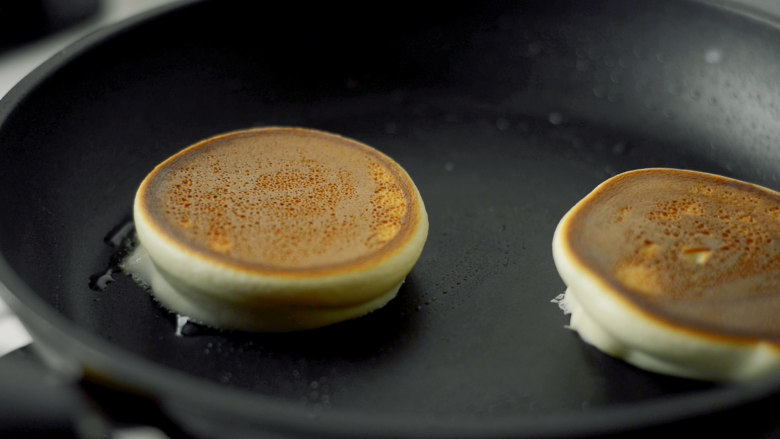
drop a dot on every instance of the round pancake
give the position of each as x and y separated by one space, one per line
256 225
677 272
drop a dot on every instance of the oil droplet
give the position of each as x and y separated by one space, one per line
181 321
560 300
555 118
713 56
502 124
616 76
122 238
119 234
100 281
619 148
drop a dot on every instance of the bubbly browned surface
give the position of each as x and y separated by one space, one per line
283 198
694 248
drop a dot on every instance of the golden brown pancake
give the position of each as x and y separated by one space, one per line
291 218
283 200
694 254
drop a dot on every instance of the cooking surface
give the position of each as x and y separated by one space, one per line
16 62
473 253
487 264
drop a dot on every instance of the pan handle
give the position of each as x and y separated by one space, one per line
34 403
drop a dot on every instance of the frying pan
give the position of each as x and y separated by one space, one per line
504 114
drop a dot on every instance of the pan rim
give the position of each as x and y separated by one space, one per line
174 387
175 390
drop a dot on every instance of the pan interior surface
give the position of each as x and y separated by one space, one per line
504 116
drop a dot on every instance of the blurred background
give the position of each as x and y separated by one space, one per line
31 31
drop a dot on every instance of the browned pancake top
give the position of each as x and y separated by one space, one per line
695 249
283 199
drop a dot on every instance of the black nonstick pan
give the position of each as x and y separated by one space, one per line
505 114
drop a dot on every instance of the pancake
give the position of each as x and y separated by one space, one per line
676 272
277 229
